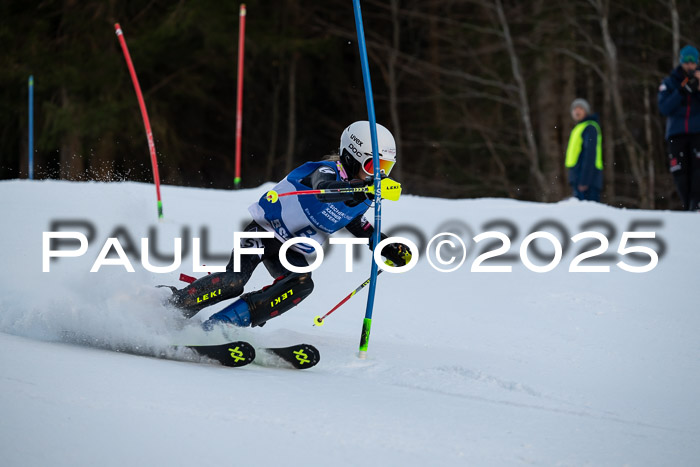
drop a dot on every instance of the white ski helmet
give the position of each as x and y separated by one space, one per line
356 149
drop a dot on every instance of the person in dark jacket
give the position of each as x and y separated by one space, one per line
584 154
679 100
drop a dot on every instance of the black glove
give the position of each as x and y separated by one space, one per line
689 85
397 253
360 196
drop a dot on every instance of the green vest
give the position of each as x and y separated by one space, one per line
576 142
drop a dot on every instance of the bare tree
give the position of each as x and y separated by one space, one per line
608 146
524 108
553 76
72 162
392 81
649 153
291 113
274 130
602 8
675 29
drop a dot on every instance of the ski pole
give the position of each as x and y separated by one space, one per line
391 190
272 196
318 321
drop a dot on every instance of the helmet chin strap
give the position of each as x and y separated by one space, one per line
341 170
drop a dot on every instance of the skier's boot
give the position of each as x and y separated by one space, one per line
236 314
256 308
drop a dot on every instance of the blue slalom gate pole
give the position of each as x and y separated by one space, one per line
367 323
31 127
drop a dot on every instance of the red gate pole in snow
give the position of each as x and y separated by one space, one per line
239 99
144 115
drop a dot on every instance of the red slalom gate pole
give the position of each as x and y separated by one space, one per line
239 99
144 115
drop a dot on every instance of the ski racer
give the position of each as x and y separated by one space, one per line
312 216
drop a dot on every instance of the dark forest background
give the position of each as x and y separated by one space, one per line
476 92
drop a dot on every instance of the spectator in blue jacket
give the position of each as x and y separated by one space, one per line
584 154
679 100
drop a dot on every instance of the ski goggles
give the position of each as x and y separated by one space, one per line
385 165
689 59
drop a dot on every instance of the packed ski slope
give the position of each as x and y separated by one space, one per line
464 368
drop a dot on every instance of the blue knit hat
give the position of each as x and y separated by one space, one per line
689 54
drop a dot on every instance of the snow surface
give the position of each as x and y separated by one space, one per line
464 368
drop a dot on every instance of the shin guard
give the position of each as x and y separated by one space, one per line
207 291
278 298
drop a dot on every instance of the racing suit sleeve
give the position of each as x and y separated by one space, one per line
324 178
398 253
